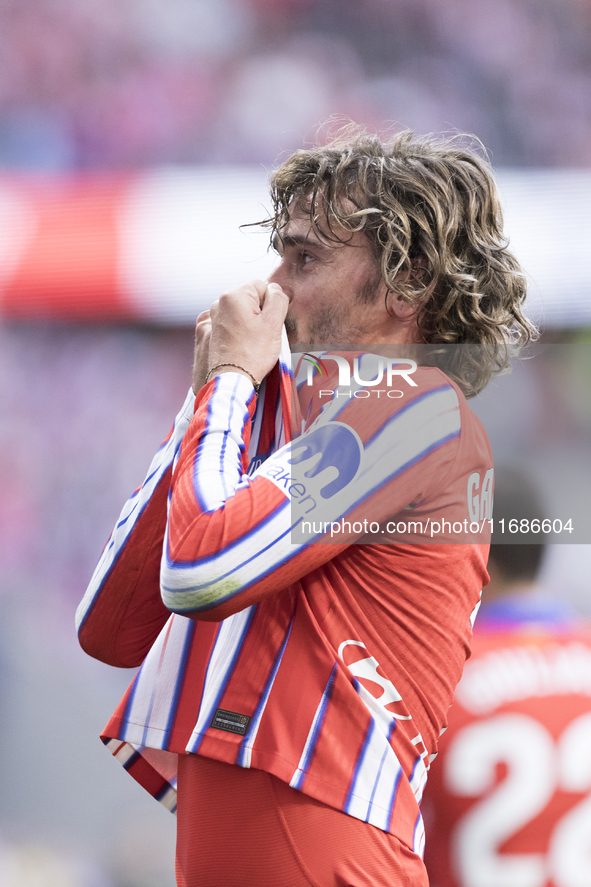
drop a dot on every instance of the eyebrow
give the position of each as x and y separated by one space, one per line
296 240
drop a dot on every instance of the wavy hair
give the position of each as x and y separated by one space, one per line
431 211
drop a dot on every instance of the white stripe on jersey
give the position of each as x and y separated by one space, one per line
169 799
418 779
122 751
227 646
378 770
474 612
375 780
217 468
297 780
153 700
418 844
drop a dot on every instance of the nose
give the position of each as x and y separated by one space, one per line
279 275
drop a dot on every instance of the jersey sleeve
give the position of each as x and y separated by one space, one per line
122 612
233 539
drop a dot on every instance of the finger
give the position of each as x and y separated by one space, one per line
276 301
275 289
257 289
202 328
202 334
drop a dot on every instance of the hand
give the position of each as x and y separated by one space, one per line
246 326
201 353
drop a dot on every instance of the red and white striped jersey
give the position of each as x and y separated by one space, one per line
509 798
330 665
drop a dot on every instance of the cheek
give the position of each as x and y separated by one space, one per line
303 300
314 293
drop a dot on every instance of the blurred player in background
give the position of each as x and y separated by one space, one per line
297 694
509 797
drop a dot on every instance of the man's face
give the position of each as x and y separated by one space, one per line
335 290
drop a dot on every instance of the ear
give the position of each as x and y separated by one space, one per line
398 307
394 304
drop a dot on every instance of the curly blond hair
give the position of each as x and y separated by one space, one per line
430 208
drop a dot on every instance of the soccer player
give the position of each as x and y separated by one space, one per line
281 576
508 800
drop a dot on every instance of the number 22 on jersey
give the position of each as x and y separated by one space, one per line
537 767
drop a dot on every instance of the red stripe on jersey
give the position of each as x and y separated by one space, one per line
267 437
248 511
191 686
344 717
147 776
256 658
258 655
297 688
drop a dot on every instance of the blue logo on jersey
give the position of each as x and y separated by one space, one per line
338 448
256 462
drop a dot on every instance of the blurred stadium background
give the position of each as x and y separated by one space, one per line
135 137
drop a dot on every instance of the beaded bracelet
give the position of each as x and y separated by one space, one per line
256 385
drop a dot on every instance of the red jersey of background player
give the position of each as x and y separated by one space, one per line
509 798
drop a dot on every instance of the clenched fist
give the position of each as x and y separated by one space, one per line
242 329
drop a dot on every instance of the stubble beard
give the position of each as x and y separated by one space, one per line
325 328
291 329
330 326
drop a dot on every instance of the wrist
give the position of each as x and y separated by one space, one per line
232 367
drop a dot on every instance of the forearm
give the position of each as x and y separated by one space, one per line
122 611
